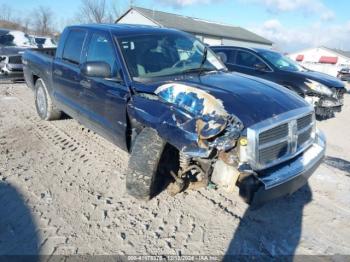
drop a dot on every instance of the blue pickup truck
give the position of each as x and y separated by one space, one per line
164 96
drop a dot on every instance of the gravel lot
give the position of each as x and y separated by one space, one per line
62 192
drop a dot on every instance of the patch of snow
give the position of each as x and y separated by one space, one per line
21 39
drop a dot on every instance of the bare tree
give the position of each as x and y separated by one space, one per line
92 11
6 12
26 23
43 20
98 11
114 12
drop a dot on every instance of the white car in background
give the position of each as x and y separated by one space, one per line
12 45
44 42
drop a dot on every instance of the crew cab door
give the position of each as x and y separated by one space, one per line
105 98
66 73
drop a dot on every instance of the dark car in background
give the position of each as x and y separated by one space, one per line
12 46
323 91
344 74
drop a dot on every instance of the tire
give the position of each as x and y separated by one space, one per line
44 104
143 164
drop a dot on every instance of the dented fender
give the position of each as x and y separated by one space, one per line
192 120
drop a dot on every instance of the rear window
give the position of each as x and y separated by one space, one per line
73 46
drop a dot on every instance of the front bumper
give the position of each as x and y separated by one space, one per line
11 71
327 106
287 177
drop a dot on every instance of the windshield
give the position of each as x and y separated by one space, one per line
14 38
149 56
282 62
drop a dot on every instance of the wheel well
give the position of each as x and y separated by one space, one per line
129 136
35 78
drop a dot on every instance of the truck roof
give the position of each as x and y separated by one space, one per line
126 29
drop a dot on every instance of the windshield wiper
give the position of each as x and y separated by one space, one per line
200 69
204 58
197 70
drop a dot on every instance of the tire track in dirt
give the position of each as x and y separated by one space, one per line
76 153
74 180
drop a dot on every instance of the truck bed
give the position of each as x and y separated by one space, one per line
38 62
45 51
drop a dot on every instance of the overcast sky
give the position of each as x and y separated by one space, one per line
291 24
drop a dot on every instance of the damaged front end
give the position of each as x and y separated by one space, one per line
192 120
326 106
264 161
326 101
197 124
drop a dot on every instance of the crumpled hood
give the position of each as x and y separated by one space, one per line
322 78
250 99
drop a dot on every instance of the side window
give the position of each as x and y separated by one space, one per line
231 56
227 56
73 46
247 59
101 49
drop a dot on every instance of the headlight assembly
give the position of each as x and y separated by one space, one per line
318 87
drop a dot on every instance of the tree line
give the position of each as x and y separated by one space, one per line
41 20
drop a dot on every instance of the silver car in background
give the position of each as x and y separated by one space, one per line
12 46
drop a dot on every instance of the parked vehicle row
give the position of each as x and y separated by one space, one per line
44 41
166 98
12 46
324 92
344 74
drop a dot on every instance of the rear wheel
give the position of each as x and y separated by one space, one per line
143 164
44 104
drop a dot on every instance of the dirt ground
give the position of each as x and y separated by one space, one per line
62 192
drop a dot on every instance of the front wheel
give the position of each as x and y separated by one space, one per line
143 164
44 104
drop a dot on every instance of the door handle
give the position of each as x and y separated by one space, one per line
57 72
85 84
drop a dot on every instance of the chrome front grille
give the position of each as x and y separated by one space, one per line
304 137
273 152
280 138
304 121
15 59
273 134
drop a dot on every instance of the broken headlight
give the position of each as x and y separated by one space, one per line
318 87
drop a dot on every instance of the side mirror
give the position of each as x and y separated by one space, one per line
261 67
96 69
